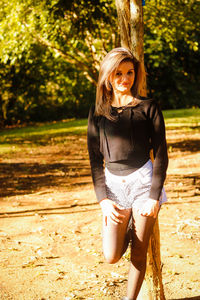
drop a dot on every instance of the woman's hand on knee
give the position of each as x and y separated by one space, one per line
111 210
150 208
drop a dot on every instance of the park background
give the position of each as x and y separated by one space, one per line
50 222
50 53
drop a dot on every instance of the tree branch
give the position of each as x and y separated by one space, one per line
89 73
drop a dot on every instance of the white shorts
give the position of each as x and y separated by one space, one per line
132 191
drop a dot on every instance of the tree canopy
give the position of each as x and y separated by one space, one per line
50 52
172 51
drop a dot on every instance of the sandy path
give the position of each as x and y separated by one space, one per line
50 226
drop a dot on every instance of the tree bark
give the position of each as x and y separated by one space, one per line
130 16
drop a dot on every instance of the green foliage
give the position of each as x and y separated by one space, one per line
49 56
171 51
50 52
74 30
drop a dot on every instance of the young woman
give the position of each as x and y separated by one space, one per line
122 129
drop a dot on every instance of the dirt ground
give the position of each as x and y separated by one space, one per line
50 224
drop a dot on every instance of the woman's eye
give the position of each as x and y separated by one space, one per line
118 73
130 72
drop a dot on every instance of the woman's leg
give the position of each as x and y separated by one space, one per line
115 237
142 229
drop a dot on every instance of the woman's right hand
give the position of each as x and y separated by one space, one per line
111 210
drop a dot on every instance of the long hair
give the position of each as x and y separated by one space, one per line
104 90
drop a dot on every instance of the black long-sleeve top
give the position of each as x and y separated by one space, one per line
125 143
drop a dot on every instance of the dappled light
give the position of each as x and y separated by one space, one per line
50 220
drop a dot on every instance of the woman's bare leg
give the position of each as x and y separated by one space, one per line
114 237
142 229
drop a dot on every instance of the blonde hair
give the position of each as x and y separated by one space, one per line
104 90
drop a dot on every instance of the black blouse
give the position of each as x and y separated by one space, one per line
125 143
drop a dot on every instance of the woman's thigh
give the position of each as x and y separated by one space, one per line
142 230
114 237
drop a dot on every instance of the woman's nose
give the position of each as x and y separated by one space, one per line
125 77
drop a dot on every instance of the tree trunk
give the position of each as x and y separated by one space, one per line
130 16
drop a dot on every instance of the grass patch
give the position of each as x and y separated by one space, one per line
19 139
177 118
9 149
67 127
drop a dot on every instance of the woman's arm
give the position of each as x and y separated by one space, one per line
96 157
109 208
158 139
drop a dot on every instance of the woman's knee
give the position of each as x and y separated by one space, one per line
111 258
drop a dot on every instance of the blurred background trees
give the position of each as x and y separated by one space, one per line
50 53
172 51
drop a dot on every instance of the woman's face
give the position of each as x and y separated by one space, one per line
122 78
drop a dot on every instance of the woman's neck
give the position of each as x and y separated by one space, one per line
121 100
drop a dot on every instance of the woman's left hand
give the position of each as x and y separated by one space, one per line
150 208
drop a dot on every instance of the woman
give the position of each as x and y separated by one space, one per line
122 129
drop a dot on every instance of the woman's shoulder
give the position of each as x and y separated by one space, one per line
149 106
146 102
92 111
92 115
92 108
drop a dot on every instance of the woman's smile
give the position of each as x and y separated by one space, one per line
123 78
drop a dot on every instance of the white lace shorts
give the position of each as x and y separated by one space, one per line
132 191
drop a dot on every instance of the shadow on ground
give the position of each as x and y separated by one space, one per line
27 178
186 146
49 211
